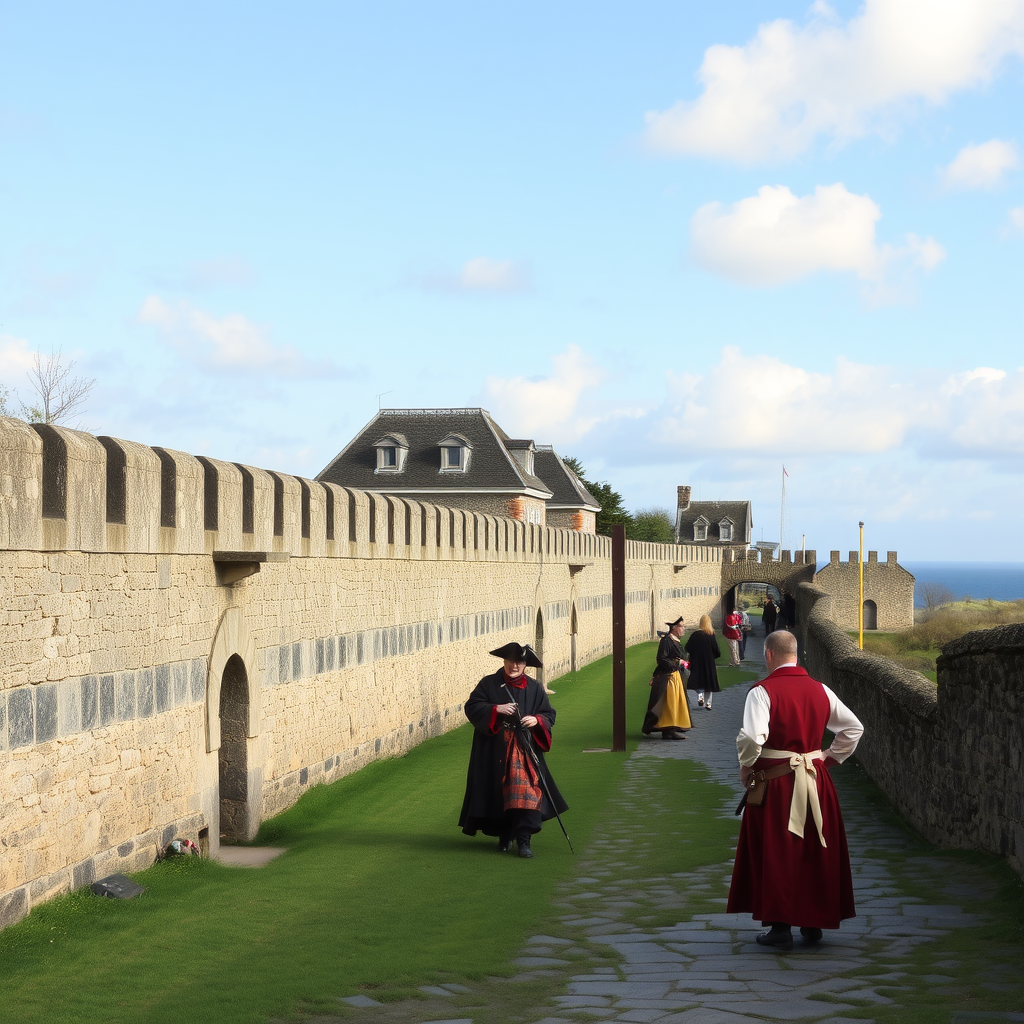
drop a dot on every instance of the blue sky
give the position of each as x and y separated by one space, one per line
687 243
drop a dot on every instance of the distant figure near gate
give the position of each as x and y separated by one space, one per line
782 876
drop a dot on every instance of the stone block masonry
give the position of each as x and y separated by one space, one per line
142 698
948 756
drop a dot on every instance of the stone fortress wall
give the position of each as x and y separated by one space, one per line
949 756
189 644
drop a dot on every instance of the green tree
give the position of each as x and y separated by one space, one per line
613 512
652 524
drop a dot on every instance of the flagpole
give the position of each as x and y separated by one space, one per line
782 509
860 567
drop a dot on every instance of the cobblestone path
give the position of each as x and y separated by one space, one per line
707 969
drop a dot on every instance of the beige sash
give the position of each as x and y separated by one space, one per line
805 789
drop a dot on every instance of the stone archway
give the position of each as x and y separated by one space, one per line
233 754
574 628
232 722
538 646
870 615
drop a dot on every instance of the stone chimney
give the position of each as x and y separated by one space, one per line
682 497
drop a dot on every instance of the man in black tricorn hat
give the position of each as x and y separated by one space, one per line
508 792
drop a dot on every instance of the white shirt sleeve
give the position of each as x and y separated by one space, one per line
846 726
754 733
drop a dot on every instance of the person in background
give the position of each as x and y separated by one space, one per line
770 615
702 647
733 632
667 710
745 630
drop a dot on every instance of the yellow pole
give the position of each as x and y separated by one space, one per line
860 568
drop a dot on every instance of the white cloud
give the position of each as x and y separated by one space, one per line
16 358
231 342
853 410
549 409
982 166
1015 218
776 237
772 97
480 274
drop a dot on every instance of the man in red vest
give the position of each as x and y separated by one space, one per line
792 864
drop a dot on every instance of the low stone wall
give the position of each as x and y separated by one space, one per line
947 756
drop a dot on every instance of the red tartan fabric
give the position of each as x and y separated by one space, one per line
520 787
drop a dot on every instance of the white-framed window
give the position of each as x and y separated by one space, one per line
391 453
725 530
455 450
700 529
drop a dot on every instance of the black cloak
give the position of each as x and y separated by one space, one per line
484 806
670 651
703 651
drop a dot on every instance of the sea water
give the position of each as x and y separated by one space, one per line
1002 581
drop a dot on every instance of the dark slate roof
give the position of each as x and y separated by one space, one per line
491 466
567 491
714 512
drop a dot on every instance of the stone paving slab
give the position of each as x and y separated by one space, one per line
706 969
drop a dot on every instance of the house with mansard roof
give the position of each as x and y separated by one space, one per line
461 458
720 524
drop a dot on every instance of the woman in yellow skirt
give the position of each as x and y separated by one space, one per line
667 709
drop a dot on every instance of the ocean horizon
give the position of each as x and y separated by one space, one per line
1002 581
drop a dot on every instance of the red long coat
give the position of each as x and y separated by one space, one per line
779 877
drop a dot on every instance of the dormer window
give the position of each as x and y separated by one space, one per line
700 529
455 451
392 450
725 530
523 452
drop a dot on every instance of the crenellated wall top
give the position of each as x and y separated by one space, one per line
64 489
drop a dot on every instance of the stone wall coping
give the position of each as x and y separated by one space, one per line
981 641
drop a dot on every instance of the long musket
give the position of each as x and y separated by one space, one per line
528 747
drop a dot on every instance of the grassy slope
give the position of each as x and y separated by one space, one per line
379 891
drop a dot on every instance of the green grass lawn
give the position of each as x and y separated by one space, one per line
379 892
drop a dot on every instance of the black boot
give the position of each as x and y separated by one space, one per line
780 936
504 844
524 847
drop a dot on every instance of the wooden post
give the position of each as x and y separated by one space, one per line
618 638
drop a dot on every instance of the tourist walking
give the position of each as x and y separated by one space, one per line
509 790
792 864
745 630
770 615
702 648
667 708
733 633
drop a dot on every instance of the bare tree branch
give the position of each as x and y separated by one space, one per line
58 394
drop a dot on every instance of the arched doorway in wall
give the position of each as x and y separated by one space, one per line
232 757
750 596
573 630
870 615
538 646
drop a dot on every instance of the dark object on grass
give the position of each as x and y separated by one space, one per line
182 848
117 887
524 847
